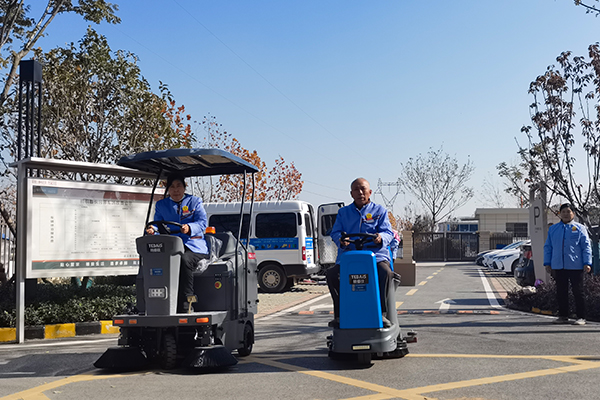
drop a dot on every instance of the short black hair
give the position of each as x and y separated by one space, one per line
175 177
566 205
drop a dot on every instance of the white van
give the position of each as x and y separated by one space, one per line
284 235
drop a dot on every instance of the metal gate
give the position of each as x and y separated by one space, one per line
449 246
500 239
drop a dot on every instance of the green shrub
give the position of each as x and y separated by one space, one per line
56 304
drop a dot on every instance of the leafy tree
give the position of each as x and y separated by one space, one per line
565 119
97 107
517 181
438 182
281 182
565 112
589 9
19 32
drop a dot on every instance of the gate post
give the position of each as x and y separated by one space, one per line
405 266
484 240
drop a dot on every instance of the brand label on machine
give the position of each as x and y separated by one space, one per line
155 248
359 279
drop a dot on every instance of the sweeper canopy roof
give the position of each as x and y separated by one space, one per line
187 162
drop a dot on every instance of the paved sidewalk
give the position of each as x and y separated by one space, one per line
269 303
502 283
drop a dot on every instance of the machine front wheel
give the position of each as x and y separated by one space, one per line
168 353
246 349
272 279
364 358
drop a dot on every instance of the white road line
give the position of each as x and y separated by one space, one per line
488 291
292 309
65 343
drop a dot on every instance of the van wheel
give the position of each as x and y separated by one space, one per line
272 279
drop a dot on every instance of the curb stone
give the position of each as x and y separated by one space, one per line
55 331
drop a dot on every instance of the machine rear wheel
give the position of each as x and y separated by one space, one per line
168 353
246 349
272 279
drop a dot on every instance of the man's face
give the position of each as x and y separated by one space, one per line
566 215
361 192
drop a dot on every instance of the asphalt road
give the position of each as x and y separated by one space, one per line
469 347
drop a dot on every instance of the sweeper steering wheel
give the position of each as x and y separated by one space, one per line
361 239
163 227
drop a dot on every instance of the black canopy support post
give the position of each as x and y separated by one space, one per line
30 111
247 271
152 199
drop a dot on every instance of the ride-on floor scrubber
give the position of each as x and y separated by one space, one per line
220 317
361 333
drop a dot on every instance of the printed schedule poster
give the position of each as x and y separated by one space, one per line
84 229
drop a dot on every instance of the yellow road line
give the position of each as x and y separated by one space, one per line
37 393
422 283
398 304
411 292
578 363
429 277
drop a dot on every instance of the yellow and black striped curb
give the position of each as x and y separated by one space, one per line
60 330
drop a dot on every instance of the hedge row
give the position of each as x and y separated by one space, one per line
544 298
57 304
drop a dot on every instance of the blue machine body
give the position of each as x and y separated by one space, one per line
360 306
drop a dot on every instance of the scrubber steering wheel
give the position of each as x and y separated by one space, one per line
163 227
362 239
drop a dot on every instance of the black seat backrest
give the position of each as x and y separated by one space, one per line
228 245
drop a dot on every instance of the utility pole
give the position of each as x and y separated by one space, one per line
388 201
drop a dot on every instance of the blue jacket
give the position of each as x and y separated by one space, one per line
189 211
371 218
568 246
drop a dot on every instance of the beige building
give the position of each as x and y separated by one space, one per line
514 220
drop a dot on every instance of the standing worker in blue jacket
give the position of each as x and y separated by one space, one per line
362 216
178 206
568 254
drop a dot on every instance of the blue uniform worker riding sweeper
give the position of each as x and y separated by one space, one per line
178 206
362 216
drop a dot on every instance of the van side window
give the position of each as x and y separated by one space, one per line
270 225
327 222
230 222
308 225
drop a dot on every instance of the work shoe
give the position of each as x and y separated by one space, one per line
386 322
334 323
561 320
580 321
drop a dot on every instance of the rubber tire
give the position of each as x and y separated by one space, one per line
168 353
364 358
246 349
279 279
513 267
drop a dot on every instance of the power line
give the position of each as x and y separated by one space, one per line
388 201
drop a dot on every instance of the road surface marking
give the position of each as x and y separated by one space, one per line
445 304
411 292
488 291
292 309
422 283
429 277
578 363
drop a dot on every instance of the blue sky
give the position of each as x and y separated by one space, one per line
352 88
